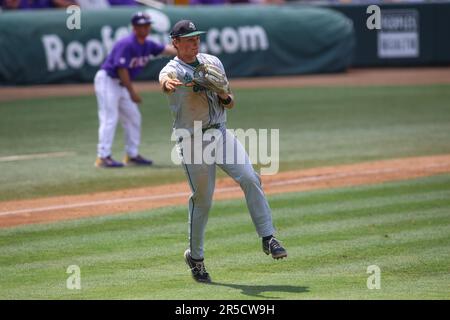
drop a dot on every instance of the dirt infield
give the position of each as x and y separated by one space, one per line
46 210
354 77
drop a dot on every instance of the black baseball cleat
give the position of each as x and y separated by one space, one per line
273 247
198 269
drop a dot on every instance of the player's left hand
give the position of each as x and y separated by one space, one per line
212 78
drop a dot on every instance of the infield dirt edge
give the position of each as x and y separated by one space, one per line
52 209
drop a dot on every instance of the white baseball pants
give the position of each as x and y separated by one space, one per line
114 104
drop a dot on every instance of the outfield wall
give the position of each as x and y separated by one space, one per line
411 34
37 47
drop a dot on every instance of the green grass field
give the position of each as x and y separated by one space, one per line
332 236
318 126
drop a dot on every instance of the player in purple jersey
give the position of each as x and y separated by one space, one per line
116 96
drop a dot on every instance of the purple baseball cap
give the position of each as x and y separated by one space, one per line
140 18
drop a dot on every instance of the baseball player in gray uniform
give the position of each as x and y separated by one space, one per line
190 103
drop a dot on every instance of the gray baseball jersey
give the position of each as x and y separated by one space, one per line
185 103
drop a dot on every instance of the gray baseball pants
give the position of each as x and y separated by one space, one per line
201 178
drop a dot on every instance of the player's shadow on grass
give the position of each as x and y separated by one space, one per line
256 291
